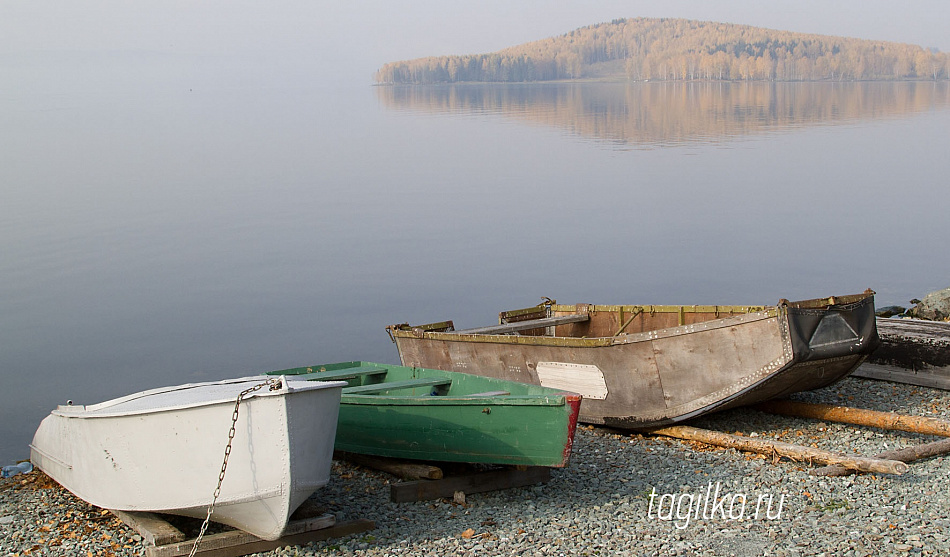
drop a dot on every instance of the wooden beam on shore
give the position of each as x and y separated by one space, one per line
907 454
398 468
154 529
857 416
933 378
477 482
309 523
788 450
235 543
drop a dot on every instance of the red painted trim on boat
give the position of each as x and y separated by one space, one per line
574 400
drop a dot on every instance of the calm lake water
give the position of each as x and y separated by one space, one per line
156 232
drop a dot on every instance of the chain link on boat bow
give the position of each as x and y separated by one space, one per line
275 384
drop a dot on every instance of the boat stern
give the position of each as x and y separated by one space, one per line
832 327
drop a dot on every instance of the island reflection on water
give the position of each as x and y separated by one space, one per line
646 115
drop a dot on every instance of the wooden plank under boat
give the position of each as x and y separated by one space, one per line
640 366
912 351
162 450
426 414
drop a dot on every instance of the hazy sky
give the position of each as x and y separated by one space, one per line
359 36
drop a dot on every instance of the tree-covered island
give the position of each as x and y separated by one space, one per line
644 49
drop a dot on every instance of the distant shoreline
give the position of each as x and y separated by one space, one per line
673 81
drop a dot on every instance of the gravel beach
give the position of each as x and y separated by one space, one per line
622 494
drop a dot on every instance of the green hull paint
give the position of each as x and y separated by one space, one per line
466 420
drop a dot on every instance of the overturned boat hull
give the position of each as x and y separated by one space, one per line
646 366
912 351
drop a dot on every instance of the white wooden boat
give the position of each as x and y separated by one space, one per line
162 450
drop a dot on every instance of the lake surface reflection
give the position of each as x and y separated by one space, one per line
658 114
193 228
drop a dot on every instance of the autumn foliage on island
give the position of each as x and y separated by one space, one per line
679 50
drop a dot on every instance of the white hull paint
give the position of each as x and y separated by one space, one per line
161 450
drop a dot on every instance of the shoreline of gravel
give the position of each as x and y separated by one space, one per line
621 494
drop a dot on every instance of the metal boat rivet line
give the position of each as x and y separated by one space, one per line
274 385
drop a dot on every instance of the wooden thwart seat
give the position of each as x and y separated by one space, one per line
395 385
524 325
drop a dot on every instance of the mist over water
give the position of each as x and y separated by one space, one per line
199 227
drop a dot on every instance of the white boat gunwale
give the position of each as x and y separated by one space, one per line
98 410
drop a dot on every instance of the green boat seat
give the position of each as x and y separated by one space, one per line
395 385
342 374
491 393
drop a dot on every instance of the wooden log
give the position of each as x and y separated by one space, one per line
399 468
907 454
858 416
473 483
788 450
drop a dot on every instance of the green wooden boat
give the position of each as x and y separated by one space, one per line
426 414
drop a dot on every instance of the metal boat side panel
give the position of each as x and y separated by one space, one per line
698 368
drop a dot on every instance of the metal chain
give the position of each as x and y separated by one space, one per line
274 385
